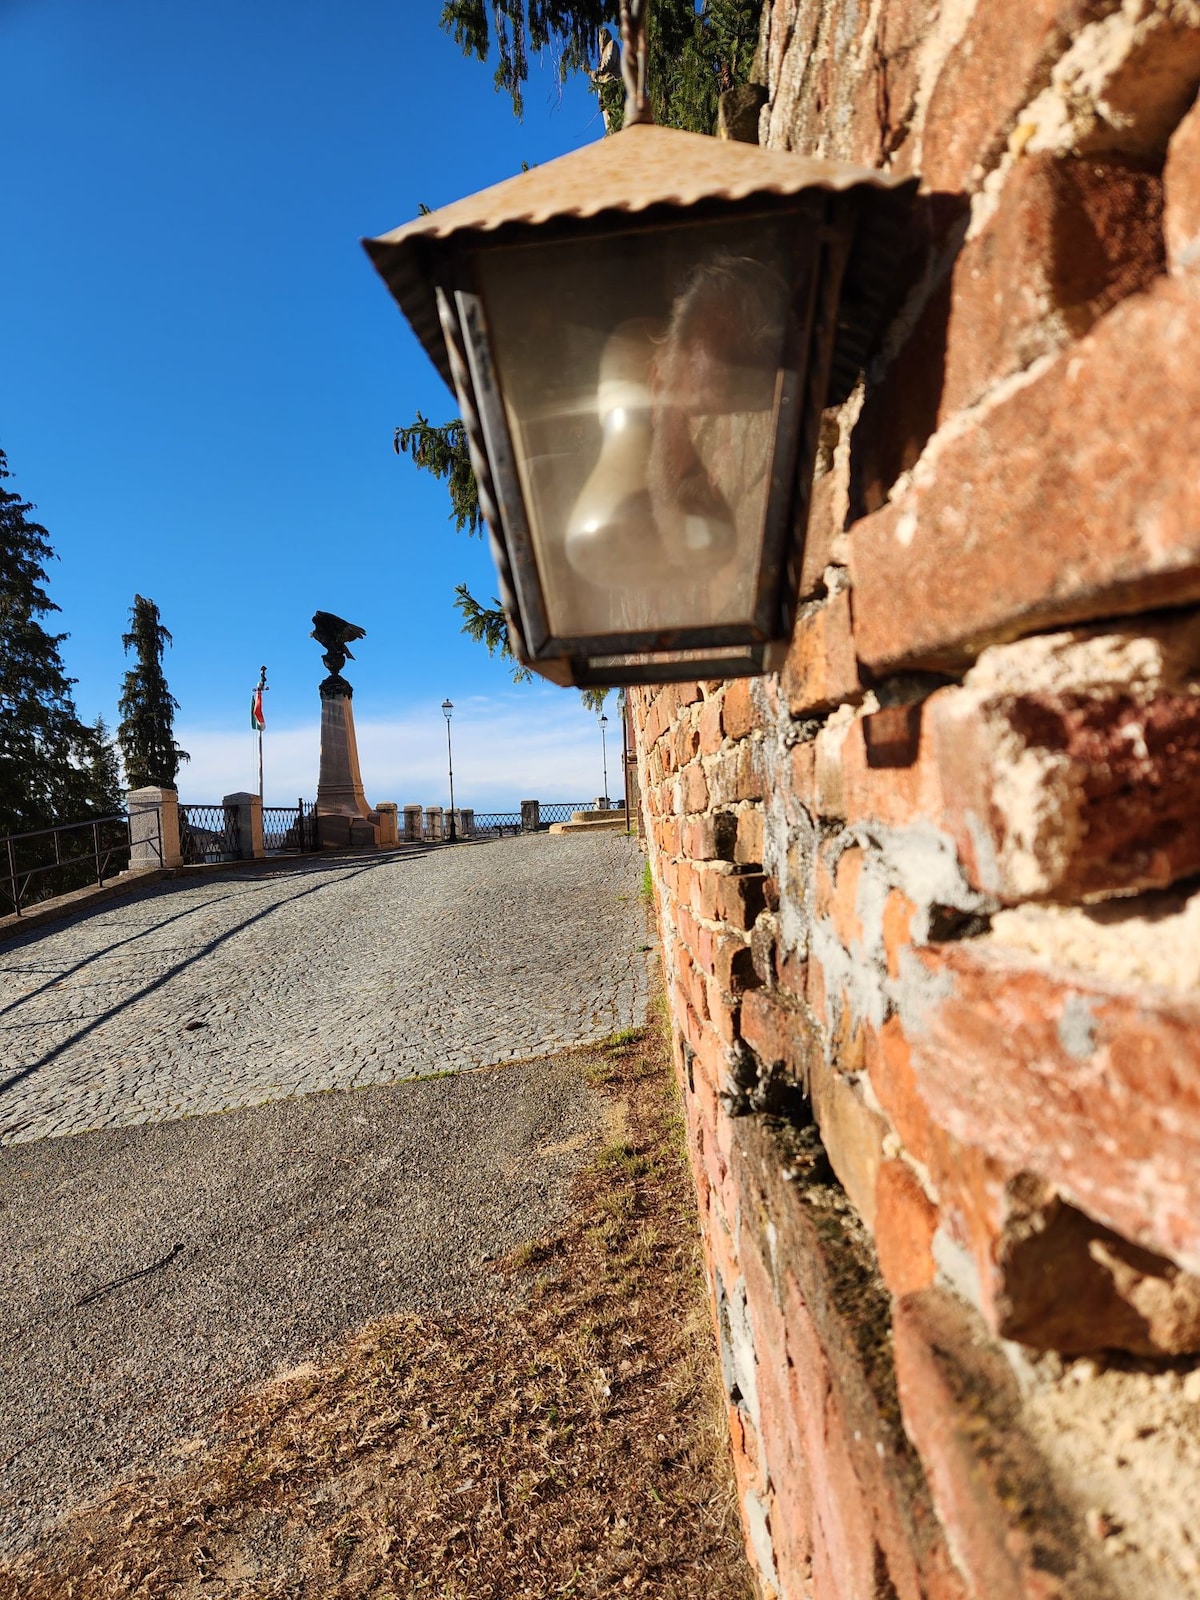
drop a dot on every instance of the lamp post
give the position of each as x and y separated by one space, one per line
604 755
447 712
642 336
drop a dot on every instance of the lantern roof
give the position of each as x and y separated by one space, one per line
646 166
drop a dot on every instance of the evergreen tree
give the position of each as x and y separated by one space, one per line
47 756
692 56
107 791
147 730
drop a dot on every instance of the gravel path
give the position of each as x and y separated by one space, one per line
225 991
149 1274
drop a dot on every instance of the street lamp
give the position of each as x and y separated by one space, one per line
604 755
642 336
447 712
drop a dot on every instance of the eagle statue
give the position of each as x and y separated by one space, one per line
335 635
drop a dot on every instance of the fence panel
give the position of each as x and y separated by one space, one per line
289 828
208 833
51 861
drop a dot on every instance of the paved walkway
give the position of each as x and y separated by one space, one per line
212 993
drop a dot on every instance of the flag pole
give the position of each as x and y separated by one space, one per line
257 715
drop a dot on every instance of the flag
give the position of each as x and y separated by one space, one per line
256 712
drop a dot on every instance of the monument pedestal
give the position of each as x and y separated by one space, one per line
344 818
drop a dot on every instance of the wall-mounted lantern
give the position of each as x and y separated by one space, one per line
642 336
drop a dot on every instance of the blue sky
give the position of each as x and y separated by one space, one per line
202 373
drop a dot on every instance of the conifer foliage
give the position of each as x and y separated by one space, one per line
53 768
147 730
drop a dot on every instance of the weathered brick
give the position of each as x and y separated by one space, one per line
843 902
1070 239
1012 1538
1074 497
992 72
748 846
904 1225
1181 181
739 899
821 669
1104 730
712 837
739 716
693 788
1007 1053
876 782
709 728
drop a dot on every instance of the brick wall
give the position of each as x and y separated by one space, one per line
929 898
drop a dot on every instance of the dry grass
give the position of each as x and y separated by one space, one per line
570 1443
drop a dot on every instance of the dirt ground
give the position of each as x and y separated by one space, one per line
569 1439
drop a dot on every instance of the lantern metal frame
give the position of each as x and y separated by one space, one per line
852 218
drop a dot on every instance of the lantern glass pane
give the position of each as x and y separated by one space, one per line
641 373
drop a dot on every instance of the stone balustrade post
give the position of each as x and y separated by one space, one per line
466 823
531 816
389 833
433 823
153 828
413 824
250 824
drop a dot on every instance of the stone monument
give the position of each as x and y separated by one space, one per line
343 815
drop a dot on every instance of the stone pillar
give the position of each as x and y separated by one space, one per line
466 823
389 832
250 825
433 823
153 828
413 824
340 786
531 816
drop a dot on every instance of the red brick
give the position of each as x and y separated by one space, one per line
821 670
1076 496
748 848
710 838
777 1032
686 743
1092 1088
739 716
1070 240
1012 1538
710 727
693 790
1181 179
734 969
1106 728
898 912
843 906
991 74
905 1223
739 898
863 782
826 522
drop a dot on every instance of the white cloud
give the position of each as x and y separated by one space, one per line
537 745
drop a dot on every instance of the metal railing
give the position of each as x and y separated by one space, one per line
49 861
289 828
561 810
492 824
208 833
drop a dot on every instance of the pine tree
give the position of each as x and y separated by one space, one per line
147 730
47 755
692 55
107 792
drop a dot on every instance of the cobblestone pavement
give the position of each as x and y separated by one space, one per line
211 993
